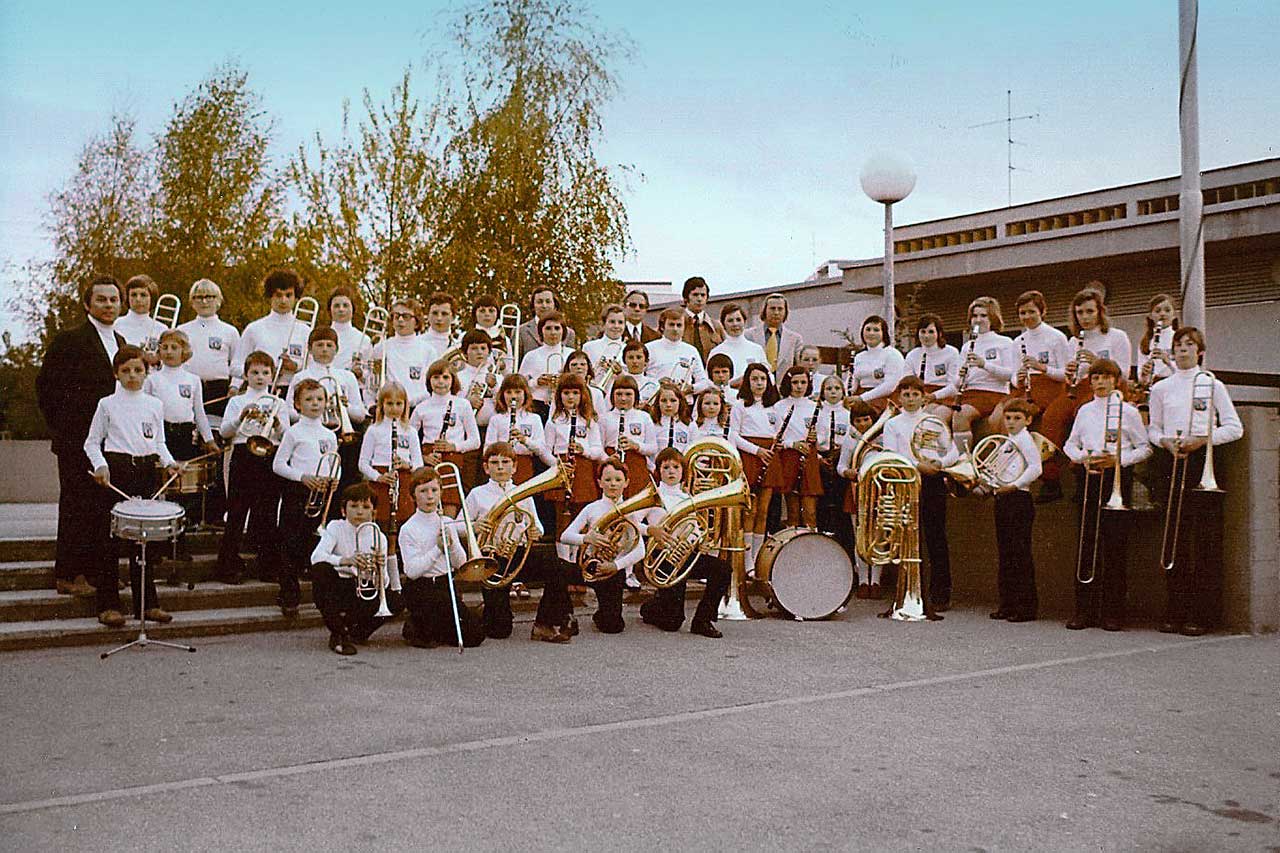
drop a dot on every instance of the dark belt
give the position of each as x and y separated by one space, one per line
135 461
433 581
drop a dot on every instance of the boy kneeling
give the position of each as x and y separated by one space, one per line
348 550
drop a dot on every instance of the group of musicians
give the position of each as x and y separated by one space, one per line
413 432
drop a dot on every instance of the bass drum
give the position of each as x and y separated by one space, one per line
808 573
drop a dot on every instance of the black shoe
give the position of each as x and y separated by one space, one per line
1049 492
342 645
942 607
1191 629
498 632
1001 613
1170 627
571 627
1078 623
1113 624
1020 617
705 629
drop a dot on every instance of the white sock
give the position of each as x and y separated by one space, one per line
875 573
860 571
754 540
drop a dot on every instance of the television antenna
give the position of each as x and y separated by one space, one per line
1008 121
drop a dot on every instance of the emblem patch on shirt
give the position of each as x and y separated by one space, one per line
148 431
878 373
634 429
841 429
682 436
415 373
295 351
184 391
1112 436
991 353
1043 356
683 362
773 419
215 344
327 446
1200 405
1104 353
939 370
580 431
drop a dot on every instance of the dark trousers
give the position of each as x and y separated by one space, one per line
608 615
933 530
553 607
831 515
254 494
431 614
298 539
137 477
1016 576
667 607
343 611
83 529
215 505
178 438
1194 587
1107 592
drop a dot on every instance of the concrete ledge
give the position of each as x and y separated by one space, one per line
28 472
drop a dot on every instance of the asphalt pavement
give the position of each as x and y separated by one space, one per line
855 733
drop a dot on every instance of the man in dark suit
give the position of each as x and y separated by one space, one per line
634 307
542 301
699 329
75 375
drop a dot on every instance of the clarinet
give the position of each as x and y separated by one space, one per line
622 425
444 422
671 432
393 489
964 366
811 439
924 357
511 429
1025 374
773 446
1071 380
571 455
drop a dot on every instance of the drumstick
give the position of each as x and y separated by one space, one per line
178 473
112 487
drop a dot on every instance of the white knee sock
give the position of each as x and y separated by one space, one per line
875 573
754 541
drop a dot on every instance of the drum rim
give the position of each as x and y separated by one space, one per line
173 510
791 534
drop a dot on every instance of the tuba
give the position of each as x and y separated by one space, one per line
371 567
622 533
665 566
505 538
888 527
477 566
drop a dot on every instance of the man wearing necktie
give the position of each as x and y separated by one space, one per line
781 345
699 329
634 308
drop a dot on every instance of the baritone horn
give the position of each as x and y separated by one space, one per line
371 566
504 535
687 527
477 566
622 533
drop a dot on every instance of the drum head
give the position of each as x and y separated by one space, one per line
147 510
812 575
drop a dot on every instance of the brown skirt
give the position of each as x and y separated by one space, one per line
984 401
811 477
405 507
638 475
751 464
851 497
782 474
524 468
584 489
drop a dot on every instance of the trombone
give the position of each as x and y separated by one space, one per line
477 566
1111 441
371 567
167 308
1199 425
319 498
509 327
375 331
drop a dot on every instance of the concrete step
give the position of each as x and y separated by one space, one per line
202 623
36 605
38 548
38 574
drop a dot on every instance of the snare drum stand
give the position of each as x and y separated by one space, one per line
143 641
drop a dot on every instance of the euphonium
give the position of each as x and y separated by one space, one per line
477 566
505 534
622 533
667 565
711 463
371 567
329 470
888 527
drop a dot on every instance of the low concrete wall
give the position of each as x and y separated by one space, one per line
1249 471
28 472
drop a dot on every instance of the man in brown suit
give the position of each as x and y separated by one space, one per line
699 329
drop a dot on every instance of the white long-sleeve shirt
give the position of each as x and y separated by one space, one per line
1170 411
301 448
941 365
897 438
677 360
338 541
375 448
572 537
714 429
469 376
1049 347
127 422
140 330
604 348
647 385
833 426
323 374
754 421
638 427
1162 342
180 393
213 348
877 370
485 496
428 416
421 549
801 411
408 358
544 360
270 335
999 363
1113 345
588 435
1030 453
530 438
351 343
741 352
671 432
234 415
1087 433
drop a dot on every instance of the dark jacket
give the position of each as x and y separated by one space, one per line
75 375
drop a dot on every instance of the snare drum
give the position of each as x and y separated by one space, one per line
808 573
142 520
194 478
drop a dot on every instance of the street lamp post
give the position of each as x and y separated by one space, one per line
888 178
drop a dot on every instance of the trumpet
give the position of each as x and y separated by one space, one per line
319 498
371 567
477 566
335 416
258 424
1111 438
623 535
554 372
505 533
611 362
1073 376
1199 425
166 311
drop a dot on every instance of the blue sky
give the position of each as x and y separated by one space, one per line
747 122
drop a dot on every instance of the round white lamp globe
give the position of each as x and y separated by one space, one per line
888 178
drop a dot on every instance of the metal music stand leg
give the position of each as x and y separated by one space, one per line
142 640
